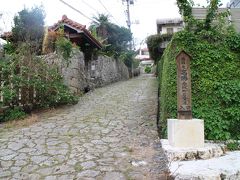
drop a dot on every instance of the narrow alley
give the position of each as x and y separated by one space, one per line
110 134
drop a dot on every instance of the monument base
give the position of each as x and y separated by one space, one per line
186 133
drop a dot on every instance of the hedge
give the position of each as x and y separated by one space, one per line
215 73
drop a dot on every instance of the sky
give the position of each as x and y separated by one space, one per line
143 13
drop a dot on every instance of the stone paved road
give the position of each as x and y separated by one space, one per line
110 134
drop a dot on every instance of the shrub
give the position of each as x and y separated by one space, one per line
233 146
37 84
147 69
12 114
154 42
9 48
26 80
64 47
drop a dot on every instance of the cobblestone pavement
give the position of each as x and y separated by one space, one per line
110 134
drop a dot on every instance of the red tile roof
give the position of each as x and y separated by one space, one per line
69 22
76 26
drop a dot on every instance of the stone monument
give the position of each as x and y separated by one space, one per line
185 132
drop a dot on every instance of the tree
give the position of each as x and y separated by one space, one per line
116 38
99 25
29 28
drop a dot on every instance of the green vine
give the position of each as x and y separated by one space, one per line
153 43
215 51
185 9
63 45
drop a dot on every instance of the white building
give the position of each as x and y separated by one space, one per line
143 54
144 58
169 26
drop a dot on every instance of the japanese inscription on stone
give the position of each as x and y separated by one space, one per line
184 86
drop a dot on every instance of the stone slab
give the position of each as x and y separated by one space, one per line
226 167
186 133
210 150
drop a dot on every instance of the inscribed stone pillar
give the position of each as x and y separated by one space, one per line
184 86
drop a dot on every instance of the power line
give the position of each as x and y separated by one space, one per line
90 6
77 10
108 12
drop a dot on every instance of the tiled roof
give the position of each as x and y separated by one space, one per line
76 26
69 22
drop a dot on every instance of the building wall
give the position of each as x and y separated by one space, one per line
78 77
175 28
200 13
235 18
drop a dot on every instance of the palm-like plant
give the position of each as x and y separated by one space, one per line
100 26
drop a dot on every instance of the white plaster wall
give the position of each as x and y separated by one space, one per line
175 29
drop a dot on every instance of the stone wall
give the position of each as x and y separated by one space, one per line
106 70
80 77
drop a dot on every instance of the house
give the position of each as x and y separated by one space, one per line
168 27
76 33
142 54
144 58
79 35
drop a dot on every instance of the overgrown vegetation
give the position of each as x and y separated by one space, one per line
57 41
115 39
29 28
233 145
153 43
147 69
127 58
27 82
215 68
63 46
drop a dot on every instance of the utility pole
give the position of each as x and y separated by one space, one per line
129 2
128 15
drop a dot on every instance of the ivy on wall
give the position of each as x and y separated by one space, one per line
215 72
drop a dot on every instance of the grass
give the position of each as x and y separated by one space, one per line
29 120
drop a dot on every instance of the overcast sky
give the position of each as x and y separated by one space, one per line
143 12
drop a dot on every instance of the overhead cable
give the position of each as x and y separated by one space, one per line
77 11
90 6
108 11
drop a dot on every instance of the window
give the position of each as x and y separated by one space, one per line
169 30
179 29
